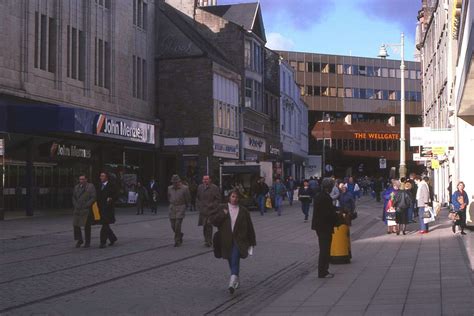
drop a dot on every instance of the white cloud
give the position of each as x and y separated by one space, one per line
277 41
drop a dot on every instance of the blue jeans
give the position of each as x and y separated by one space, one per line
290 196
410 214
278 202
423 226
305 209
234 260
261 203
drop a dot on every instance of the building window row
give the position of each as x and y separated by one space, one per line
45 42
139 78
359 93
253 94
359 144
76 51
102 63
140 9
103 3
225 119
253 55
356 70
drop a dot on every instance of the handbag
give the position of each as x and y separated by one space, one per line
453 216
95 211
391 216
216 243
427 213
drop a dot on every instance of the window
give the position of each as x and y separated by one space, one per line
75 51
325 68
140 9
333 92
370 94
248 54
362 71
378 94
392 95
418 74
370 71
253 56
316 91
348 69
356 93
348 93
309 66
340 69
103 3
139 78
45 43
391 73
325 91
413 74
102 63
301 66
293 63
362 93
332 68
253 94
385 72
309 90
340 92
377 72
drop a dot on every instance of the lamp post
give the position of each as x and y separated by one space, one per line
383 54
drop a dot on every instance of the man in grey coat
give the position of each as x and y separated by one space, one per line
179 199
83 197
208 199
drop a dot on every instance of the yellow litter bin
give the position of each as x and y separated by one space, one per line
341 245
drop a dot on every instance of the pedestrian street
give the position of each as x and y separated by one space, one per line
41 272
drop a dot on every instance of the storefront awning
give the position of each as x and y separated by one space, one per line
240 169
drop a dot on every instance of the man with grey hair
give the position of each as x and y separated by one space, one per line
179 199
324 220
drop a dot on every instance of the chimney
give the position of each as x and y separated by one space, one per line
188 7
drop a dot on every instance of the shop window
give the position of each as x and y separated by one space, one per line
362 145
345 144
339 144
356 144
351 144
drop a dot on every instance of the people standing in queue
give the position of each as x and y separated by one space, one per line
279 192
106 197
83 197
261 191
422 200
153 195
460 202
324 220
142 197
305 195
235 237
208 198
179 199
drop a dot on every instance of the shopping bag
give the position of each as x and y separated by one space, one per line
95 211
295 195
430 219
268 202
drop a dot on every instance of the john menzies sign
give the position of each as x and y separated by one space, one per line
119 128
254 143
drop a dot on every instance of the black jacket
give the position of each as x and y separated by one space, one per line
243 234
107 209
324 214
305 195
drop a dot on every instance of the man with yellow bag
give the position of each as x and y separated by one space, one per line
83 197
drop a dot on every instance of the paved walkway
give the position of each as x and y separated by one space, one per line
391 275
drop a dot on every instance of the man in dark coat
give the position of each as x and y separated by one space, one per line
324 220
207 199
153 195
83 197
106 197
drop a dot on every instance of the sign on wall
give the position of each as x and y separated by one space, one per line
181 141
425 136
119 128
226 147
254 143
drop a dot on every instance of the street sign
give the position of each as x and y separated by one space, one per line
2 147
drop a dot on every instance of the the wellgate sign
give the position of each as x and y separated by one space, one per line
119 128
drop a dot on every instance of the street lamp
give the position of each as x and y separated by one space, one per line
383 54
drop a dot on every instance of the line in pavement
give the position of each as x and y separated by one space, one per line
102 282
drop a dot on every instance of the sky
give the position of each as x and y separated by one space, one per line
340 27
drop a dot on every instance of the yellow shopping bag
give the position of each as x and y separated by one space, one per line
268 202
95 211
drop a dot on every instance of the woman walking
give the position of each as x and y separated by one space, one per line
235 237
460 202
402 202
279 191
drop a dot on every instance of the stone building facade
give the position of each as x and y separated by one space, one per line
76 96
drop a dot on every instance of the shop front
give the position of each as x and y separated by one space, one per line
48 146
254 147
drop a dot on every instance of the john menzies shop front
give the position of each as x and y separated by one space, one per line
47 149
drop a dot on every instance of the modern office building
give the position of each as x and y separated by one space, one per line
354 109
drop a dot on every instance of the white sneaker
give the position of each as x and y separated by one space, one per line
232 282
237 282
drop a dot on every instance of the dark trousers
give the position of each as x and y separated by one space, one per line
87 233
234 260
106 233
176 227
325 239
207 231
305 209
